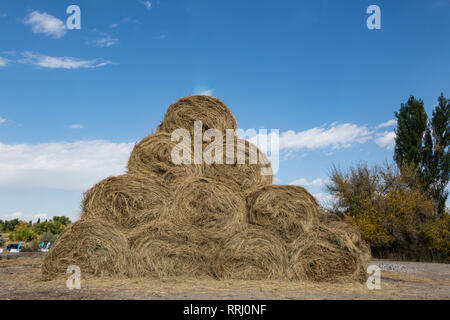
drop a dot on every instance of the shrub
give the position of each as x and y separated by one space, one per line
55 226
2 240
391 210
35 245
23 232
48 237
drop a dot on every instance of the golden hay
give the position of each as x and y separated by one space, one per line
153 156
212 112
127 200
290 211
328 255
206 208
225 221
246 168
160 250
252 254
94 246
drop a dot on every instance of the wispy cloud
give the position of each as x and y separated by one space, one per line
160 36
43 61
3 62
46 24
147 4
208 92
73 166
324 199
389 123
313 183
2 120
334 136
130 20
76 126
386 139
106 41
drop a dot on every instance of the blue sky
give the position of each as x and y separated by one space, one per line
73 102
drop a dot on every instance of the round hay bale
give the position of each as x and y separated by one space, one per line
160 251
94 246
206 209
327 255
245 169
325 217
252 254
341 227
153 156
212 112
290 211
126 201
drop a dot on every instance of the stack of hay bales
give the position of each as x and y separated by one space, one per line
225 221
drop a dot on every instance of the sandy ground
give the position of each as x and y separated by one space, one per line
20 279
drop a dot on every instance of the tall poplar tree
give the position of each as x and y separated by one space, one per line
411 126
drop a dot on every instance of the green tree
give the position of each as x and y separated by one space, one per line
2 240
23 232
48 237
411 127
436 159
9 225
62 220
55 226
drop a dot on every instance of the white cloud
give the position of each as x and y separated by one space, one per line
335 136
386 140
76 126
44 61
305 183
208 92
74 166
389 123
147 4
3 62
46 24
104 42
2 120
324 199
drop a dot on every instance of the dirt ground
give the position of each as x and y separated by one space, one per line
20 279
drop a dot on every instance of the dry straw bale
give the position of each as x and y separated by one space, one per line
246 168
160 250
252 254
290 211
94 246
153 155
127 200
207 220
328 255
206 208
213 113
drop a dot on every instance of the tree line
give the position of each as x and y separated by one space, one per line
400 207
40 231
